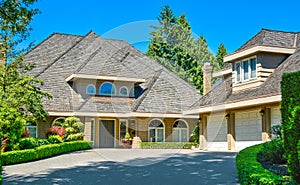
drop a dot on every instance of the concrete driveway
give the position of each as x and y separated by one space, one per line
126 166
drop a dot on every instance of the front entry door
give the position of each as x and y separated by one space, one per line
106 133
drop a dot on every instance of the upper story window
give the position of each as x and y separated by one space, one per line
107 88
123 91
245 70
91 89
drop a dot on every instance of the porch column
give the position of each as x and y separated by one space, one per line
266 124
203 133
230 117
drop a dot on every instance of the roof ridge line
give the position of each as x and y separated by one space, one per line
295 40
59 57
149 87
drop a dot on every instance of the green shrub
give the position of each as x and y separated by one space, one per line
55 139
272 152
75 137
167 145
250 171
195 134
43 142
20 156
290 112
28 143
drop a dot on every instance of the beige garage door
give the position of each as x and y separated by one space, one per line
217 132
248 129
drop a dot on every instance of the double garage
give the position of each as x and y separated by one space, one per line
248 128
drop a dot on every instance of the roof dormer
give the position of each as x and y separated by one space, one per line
253 62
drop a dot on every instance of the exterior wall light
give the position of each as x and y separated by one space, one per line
262 112
227 116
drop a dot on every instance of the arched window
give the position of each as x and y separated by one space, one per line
123 91
107 88
32 128
180 131
91 89
156 131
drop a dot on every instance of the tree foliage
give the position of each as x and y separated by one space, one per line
220 55
173 46
20 95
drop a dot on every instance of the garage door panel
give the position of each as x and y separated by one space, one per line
217 133
248 126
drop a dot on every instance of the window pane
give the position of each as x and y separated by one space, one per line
184 136
246 69
91 89
152 135
253 67
32 131
238 72
123 129
107 88
123 91
176 135
160 135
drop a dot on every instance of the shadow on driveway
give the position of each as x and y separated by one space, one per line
180 168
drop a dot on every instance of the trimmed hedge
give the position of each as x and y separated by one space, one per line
0 172
167 145
21 156
250 171
290 112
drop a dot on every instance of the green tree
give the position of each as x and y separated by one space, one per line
220 55
20 95
173 46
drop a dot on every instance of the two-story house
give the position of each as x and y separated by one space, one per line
241 110
112 88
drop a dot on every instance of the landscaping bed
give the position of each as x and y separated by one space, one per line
251 171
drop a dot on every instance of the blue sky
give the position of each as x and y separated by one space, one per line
219 21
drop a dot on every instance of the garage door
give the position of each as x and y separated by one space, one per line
217 132
248 129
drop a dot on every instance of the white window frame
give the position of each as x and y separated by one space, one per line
105 93
126 91
180 130
91 85
241 69
156 128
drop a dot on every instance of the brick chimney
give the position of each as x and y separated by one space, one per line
207 72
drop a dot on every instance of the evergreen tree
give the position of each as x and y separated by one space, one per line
173 46
220 55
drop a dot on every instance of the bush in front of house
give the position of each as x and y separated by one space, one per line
74 129
55 139
21 156
168 145
290 112
250 171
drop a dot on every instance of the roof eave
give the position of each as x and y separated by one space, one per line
256 49
102 77
235 105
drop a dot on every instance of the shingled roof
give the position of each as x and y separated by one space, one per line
222 94
61 55
272 38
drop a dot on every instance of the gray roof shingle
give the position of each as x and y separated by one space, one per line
272 38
